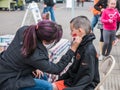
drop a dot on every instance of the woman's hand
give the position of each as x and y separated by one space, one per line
76 42
37 73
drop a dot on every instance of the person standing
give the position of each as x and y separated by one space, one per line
78 2
82 2
118 7
109 18
100 6
96 15
49 6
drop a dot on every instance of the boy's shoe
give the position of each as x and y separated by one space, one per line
101 57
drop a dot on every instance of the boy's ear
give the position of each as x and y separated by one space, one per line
80 29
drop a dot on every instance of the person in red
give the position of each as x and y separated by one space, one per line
83 74
109 18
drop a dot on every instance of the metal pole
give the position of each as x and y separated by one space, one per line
25 16
73 7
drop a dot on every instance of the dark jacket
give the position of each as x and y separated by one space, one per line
83 74
103 4
15 70
118 5
100 5
49 2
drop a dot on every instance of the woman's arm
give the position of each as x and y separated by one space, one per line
41 61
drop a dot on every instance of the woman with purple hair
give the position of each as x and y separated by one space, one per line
27 54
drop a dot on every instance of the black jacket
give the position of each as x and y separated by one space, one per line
118 5
49 2
15 70
83 74
100 4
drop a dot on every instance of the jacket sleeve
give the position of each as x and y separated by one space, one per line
103 19
71 68
45 65
118 5
118 15
86 72
119 18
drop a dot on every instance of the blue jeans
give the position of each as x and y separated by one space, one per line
94 21
50 9
40 85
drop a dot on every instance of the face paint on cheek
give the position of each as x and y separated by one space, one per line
73 36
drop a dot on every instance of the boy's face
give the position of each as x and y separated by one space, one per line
76 32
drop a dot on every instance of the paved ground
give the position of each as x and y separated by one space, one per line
11 20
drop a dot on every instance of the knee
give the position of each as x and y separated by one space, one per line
106 43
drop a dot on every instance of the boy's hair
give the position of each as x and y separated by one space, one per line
81 22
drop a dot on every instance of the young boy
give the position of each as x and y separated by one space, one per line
83 74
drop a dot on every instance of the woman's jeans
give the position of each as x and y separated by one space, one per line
94 21
50 9
40 85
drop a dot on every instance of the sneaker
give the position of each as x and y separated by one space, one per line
101 57
115 42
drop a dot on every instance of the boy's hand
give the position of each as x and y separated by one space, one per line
76 42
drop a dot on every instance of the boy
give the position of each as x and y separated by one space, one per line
83 74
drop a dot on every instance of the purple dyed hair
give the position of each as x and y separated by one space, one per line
47 30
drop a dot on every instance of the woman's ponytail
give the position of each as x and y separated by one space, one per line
29 41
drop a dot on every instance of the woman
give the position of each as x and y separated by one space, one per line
100 6
28 52
49 6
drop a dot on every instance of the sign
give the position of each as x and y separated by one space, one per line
33 8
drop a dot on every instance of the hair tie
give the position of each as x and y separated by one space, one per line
36 27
